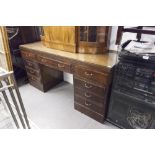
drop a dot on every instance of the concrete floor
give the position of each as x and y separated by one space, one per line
55 109
6 121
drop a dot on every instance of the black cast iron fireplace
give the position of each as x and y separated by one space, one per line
132 103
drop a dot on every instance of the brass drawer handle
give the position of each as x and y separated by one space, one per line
31 71
87 95
29 64
88 74
87 104
32 78
61 65
28 54
43 60
87 86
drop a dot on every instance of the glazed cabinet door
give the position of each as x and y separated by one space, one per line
5 57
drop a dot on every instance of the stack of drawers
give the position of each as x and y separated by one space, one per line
34 75
39 75
33 69
90 91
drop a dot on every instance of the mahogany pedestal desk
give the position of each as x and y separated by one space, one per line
91 75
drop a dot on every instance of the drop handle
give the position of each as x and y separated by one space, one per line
31 71
61 65
87 95
88 74
29 64
87 104
88 86
43 60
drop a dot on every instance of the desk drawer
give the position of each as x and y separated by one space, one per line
99 108
60 65
89 112
91 75
31 64
33 78
33 72
28 55
89 87
89 96
38 85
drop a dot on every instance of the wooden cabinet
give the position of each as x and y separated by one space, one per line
60 37
93 39
77 39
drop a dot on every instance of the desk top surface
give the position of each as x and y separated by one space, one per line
107 60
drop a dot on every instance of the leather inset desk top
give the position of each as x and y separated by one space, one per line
106 60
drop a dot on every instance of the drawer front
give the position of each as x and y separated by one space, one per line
37 85
88 112
100 91
33 78
89 96
28 55
63 66
31 64
99 108
33 72
92 75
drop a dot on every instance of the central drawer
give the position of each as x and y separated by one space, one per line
91 75
57 64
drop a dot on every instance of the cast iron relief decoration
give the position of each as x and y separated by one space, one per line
138 119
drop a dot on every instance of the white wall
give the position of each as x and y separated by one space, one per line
68 77
112 45
126 36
